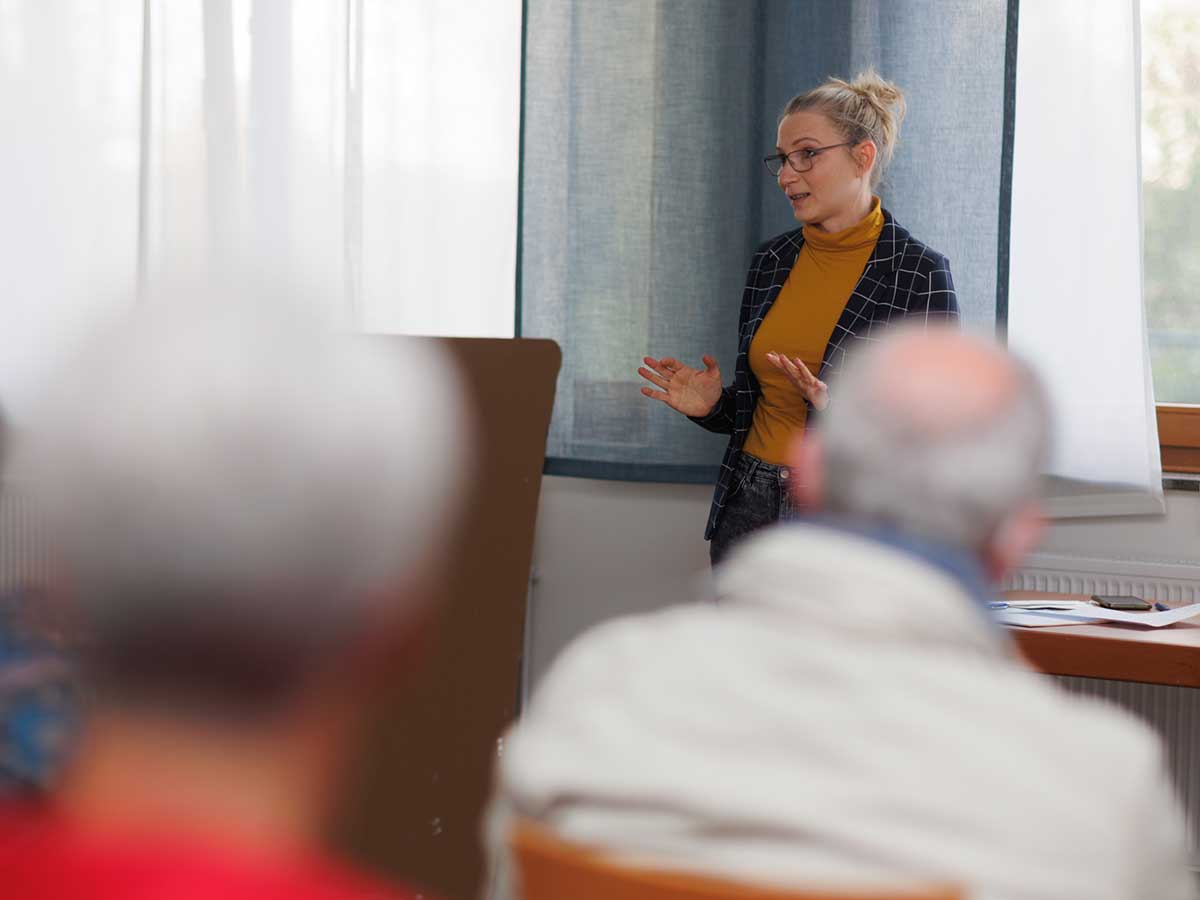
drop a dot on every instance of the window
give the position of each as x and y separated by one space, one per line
1171 194
1171 216
1075 306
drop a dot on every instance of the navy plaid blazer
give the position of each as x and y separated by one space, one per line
903 281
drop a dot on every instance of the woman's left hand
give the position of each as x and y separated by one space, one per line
811 388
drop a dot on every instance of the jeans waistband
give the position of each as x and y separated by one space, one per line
752 466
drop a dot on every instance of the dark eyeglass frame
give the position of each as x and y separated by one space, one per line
805 157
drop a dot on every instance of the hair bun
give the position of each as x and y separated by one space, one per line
881 94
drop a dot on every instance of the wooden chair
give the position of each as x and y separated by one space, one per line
549 869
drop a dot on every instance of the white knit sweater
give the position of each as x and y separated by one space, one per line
845 715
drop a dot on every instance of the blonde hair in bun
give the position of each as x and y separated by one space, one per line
866 108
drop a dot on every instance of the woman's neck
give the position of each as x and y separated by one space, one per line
847 217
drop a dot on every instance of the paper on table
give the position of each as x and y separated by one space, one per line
1016 613
1050 604
1100 614
1034 619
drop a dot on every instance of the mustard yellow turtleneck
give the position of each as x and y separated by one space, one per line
800 323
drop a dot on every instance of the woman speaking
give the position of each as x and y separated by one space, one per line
811 296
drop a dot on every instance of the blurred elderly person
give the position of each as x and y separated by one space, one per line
247 512
38 697
848 715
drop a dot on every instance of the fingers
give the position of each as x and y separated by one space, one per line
813 389
652 377
804 371
799 375
669 365
795 375
793 364
654 395
802 367
779 361
658 366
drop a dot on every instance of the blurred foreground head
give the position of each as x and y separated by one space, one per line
237 496
935 434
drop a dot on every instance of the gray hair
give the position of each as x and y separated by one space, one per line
234 491
957 484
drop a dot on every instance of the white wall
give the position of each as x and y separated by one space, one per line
605 548
1173 538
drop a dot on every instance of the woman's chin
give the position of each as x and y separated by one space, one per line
802 211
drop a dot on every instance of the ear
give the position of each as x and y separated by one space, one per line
807 456
864 155
1014 540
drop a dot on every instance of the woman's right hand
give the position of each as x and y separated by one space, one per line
693 392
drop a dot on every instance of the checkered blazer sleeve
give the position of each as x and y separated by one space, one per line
721 418
933 300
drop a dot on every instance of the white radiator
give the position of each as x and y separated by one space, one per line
1169 582
23 558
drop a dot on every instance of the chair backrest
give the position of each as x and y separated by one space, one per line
550 869
446 718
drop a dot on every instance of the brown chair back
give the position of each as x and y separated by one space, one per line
550 869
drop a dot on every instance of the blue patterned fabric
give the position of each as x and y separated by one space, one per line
38 701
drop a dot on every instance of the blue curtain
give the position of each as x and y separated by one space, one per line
643 194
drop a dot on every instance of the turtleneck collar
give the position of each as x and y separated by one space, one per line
856 237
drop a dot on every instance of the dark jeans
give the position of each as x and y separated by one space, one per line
761 495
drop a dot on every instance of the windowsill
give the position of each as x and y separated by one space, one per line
1179 440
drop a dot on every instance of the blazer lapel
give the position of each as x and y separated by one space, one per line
785 253
871 287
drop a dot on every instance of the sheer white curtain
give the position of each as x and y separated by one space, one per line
69 76
1075 286
367 147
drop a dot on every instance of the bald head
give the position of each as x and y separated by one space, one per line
942 382
932 432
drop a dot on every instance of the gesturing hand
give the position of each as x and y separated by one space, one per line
810 387
693 392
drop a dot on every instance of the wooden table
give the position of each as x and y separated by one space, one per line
1119 652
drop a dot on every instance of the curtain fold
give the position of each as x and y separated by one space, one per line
366 149
70 90
1075 295
370 145
637 221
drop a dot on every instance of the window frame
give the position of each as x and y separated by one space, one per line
1178 423
1179 437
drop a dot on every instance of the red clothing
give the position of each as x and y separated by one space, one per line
45 858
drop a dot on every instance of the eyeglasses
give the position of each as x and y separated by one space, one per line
801 160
